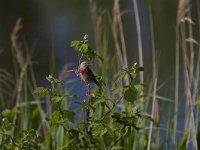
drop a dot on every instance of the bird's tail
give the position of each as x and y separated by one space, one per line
99 85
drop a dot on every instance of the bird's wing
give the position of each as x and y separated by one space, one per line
91 76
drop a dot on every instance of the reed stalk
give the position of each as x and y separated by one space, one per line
139 37
180 14
154 109
189 115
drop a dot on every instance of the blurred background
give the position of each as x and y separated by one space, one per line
49 26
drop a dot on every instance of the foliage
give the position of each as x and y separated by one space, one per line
84 48
109 124
26 139
95 132
99 131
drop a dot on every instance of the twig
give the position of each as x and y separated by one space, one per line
139 36
88 94
154 79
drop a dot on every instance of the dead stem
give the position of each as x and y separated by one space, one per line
139 36
88 94
189 118
154 109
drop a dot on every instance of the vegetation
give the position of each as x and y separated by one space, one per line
125 113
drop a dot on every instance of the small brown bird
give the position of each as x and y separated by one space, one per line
86 74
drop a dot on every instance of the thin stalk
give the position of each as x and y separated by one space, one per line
189 118
196 83
181 11
88 94
123 44
139 36
191 49
122 40
36 98
97 26
192 79
176 86
197 79
115 30
154 79
152 115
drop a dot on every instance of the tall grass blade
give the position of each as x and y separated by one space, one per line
139 37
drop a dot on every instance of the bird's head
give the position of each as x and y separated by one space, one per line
84 65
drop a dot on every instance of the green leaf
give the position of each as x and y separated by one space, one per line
57 99
117 90
8 132
130 94
116 115
42 91
6 112
139 87
35 113
100 80
183 144
56 91
74 132
9 113
84 48
99 101
71 95
76 45
198 103
55 117
98 129
69 115
86 105
119 76
8 126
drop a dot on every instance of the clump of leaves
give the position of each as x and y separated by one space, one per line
25 139
110 124
107 125
60 115
133 91
84 48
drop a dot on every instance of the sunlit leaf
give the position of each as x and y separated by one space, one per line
98 129
117 90
183 144
57 99
85 49
55 117
198 103
9 112
42 91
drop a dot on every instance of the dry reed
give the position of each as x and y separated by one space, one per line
154 109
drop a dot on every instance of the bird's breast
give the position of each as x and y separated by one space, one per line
84 76
82 71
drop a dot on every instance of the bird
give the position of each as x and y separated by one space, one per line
86 74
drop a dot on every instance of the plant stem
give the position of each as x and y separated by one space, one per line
139 36
88 94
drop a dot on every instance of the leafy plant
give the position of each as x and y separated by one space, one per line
26 139
100 131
